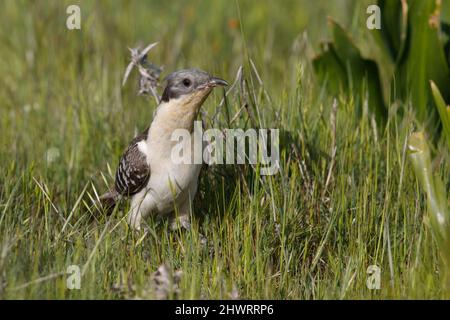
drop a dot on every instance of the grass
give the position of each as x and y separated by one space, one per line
309 232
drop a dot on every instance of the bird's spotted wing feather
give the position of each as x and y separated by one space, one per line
133 171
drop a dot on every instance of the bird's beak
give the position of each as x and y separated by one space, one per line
214 82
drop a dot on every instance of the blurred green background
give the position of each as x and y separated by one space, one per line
52 75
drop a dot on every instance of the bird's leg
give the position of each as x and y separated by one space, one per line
134 218
141 205
182 219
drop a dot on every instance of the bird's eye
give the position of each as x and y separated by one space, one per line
186 82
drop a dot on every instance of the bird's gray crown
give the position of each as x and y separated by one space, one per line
187 81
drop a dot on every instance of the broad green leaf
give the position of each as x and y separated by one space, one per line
394 27
390 40
445 27
329 69
342 67
445 17
424 60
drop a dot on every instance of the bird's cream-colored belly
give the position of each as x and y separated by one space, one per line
172 185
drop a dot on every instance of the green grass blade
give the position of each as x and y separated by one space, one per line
444 111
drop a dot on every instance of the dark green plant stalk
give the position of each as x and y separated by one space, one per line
438 212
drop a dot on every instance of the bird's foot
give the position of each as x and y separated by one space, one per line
183 222
203 239
180 222
140 233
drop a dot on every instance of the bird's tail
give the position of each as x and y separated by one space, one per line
109 199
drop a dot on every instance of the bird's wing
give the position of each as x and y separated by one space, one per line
133 171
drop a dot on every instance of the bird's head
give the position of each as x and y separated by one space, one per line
190 87
185 92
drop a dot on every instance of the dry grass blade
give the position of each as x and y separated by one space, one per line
149 72
136 57
333 146
44 191
80 197
227 92
39 280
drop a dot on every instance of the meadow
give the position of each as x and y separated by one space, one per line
346 197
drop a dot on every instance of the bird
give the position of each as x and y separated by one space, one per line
146 173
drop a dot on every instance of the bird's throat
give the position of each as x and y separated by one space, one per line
175 114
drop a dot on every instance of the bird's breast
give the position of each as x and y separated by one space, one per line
169 181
